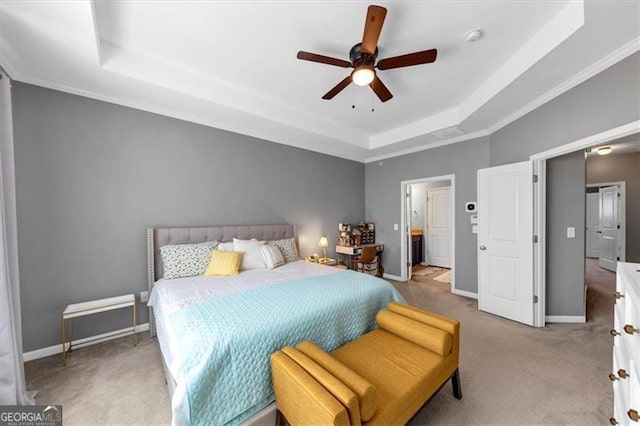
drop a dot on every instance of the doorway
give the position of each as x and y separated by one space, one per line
428 229
540 216
606 222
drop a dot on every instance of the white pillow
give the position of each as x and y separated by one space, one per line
252 257
272 256
226 246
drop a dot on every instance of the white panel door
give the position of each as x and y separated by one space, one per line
592 236
608 258
505 241
439 227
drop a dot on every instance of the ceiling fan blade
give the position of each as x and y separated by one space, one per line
372 28
338 88
380 89
306 56
417 58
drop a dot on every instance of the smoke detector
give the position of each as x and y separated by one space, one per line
473 35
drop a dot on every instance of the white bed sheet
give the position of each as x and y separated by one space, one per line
170 295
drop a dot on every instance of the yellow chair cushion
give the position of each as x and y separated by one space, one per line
366 392
338 389
447 324
419 333
224 263
404 374
301 398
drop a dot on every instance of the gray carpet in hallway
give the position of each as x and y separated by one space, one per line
511 373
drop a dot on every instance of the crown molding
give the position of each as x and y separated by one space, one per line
622 53
450 141
7 67
192 118
618 55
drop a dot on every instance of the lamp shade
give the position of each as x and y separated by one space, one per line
323 241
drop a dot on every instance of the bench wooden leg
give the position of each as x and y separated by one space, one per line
280 419
455 382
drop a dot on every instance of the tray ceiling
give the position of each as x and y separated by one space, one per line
233 65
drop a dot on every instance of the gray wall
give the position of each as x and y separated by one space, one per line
92 176
565 256
384 196
615 168
607 100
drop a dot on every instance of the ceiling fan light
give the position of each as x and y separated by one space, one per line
604 150
363 76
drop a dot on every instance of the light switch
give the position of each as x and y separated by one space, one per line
474 229
395 226
571 232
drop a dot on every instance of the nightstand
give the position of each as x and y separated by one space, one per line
93 307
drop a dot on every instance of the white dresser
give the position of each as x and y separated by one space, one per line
626 346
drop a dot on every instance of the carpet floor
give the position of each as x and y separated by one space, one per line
510 373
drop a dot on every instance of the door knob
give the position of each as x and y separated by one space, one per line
483 248
598 232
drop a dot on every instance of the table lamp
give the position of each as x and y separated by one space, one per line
324 243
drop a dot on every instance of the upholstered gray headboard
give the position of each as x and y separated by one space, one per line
158 237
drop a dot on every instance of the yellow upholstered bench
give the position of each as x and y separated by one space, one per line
381 378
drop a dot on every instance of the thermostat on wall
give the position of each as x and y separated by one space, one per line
471 207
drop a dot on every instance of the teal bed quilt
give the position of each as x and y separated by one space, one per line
226 342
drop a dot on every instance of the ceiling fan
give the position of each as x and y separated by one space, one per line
363 58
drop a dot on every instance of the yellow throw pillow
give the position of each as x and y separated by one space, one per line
224 263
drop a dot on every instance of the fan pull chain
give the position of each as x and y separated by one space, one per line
353 98
372 103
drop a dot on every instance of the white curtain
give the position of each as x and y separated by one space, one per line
13 389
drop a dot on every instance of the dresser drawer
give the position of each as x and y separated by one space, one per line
626 345
631 325
633 402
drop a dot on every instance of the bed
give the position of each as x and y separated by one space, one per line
216 333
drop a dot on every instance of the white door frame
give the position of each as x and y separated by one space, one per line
622 214
539 203
403 224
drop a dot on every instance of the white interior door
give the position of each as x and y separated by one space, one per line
609 231
407 231
439 227
505 241
592 236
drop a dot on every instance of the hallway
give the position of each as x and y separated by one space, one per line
601 284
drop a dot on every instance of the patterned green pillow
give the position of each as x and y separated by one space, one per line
186 260
288 249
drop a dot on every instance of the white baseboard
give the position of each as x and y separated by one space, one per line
465 293
86 341
392 277
578 319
